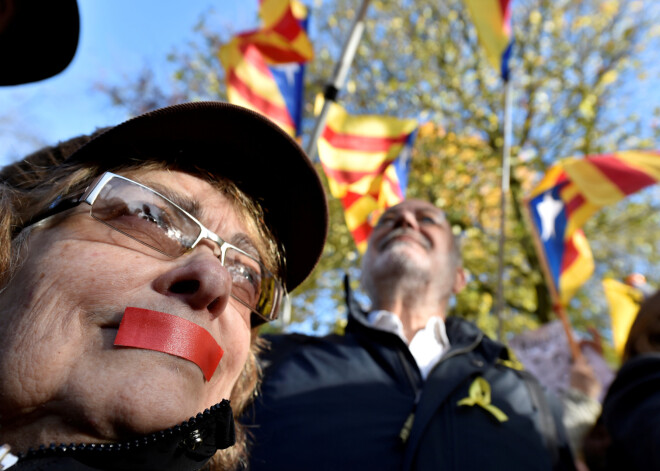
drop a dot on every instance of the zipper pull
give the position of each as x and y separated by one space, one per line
407 427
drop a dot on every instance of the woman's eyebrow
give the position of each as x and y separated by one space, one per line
243 242
184 202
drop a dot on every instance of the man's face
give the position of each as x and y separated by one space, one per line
412 243
60 313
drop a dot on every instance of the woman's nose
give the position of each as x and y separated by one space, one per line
201 282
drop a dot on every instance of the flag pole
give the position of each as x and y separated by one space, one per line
338 77
504 188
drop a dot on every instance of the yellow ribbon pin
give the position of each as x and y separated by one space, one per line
480 396
513 364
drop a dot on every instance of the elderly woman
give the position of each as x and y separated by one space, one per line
135 268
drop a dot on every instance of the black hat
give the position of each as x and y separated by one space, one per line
241 145
38 38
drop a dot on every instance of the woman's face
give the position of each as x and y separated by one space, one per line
62 378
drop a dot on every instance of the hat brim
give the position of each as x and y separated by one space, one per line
38 39
238 144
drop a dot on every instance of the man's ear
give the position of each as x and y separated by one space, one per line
460 280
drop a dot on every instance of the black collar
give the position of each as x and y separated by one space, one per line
185 447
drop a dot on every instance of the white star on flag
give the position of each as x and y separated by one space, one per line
548 210
289 70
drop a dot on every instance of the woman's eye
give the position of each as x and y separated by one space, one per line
152 214
143 221
159 217
246 283
146 214
241 273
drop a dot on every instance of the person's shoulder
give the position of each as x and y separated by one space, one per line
280 346
280 341
637 384
642 365
465 334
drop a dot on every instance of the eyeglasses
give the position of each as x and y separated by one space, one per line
150 218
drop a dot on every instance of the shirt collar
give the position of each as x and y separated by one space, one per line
389 322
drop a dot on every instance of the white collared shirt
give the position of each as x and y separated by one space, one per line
428 344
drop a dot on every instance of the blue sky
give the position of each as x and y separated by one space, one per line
117 39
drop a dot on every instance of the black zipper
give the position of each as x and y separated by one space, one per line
197 436
404 433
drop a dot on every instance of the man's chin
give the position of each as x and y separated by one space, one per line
405 252
402 241
401 261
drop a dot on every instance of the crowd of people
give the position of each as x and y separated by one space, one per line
138 263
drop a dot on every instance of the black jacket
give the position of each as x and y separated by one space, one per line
185 447
629 426
358 402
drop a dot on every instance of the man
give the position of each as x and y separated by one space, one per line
135 265
406 387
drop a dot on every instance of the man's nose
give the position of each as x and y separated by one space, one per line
201 282
406 219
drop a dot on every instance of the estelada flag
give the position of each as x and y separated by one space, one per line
569 194
367 160
265 68
492 19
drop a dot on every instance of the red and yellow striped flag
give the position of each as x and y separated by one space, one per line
264 68
366 159
250 83
569 194
282 39
492 19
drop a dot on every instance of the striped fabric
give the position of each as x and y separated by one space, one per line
265 68
569 194
366 159
283 38
492 19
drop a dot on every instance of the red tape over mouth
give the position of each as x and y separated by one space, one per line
162 332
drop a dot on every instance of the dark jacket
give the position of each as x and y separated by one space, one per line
627 435
358 402
185 447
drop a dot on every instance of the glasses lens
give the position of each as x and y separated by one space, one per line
253 284
145 216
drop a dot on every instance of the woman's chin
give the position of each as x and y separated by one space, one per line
145 393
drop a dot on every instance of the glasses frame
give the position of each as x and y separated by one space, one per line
92 192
